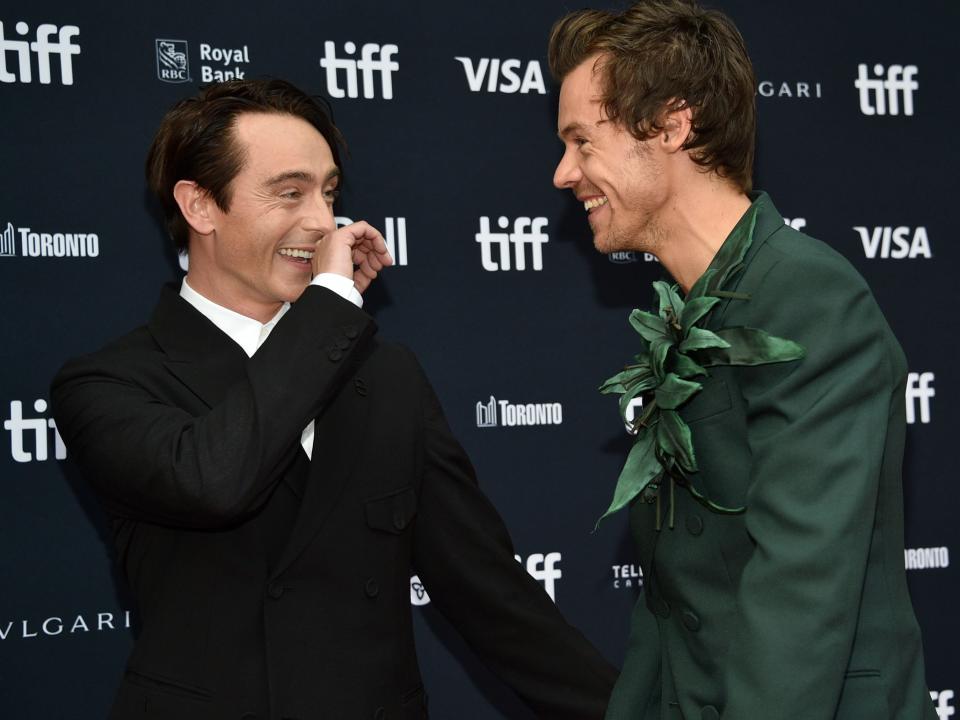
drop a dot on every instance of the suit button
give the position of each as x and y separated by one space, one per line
694 524
334 354
275 590
709 712
343 343
661 607
690 621
399 521
380 714
372 589
351 331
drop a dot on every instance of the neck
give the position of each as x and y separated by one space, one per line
218 289
695 222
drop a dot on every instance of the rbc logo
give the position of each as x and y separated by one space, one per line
879 96
374 58
919 391
526 231
43 48
18 426
173 64
501 75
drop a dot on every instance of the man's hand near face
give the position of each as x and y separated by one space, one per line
356 251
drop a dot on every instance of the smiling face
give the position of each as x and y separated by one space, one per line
256 256
619 179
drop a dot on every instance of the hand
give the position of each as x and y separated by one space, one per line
356 251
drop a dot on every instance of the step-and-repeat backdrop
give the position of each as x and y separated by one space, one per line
450 115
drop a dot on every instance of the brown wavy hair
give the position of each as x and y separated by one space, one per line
663 55
196 140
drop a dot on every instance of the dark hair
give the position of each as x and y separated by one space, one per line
196 140
663 55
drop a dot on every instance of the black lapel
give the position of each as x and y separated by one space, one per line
337 443
199 354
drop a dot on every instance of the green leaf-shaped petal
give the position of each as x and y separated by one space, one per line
648 325
627 378
750 346
632 392
695 309
684 366
675 391
639 471
659 349
668 299
673 437
699 288
698 339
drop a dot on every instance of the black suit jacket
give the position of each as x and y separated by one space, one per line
270 588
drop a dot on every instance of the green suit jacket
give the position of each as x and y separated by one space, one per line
797 607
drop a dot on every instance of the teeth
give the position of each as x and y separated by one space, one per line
290 252
589 205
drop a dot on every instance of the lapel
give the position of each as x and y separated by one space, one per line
198 353
768 222
338 441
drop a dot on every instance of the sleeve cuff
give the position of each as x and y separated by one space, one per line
341 285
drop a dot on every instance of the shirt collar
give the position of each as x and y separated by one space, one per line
246 332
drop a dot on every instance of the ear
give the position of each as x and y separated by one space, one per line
677 126
194 204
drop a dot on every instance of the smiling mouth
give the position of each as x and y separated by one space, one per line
299 256
594 203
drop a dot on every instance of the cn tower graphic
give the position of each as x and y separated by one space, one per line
7 246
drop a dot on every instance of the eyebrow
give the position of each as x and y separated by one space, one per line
302 175
571 128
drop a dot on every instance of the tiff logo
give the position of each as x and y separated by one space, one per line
395 236
526 231
919 391
944 701
374 59
879 96
19 426
545 568
8 245
502 75
43 47
795 223
173 63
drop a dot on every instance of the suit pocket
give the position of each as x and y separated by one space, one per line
392 513
712 400
863 696
168 686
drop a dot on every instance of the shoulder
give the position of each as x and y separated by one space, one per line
127 356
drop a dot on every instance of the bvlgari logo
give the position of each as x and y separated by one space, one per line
66 625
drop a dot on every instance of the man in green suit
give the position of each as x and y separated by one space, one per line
764 488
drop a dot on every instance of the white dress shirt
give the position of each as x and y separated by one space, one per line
250 334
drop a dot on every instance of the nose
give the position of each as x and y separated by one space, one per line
319 216
568 172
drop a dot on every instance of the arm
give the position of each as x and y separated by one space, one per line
501 611
151 459
816 431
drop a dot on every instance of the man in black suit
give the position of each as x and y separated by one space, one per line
273 471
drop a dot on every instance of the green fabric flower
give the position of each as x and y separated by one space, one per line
676 350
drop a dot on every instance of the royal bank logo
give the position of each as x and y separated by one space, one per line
888 90
794 90
509 250
625 257
503 76
173 60
542 567
32 437
894 243
25 242
930 558
375 61
919 395
394 235
943 703
64 625
44 48
627 576
494 413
